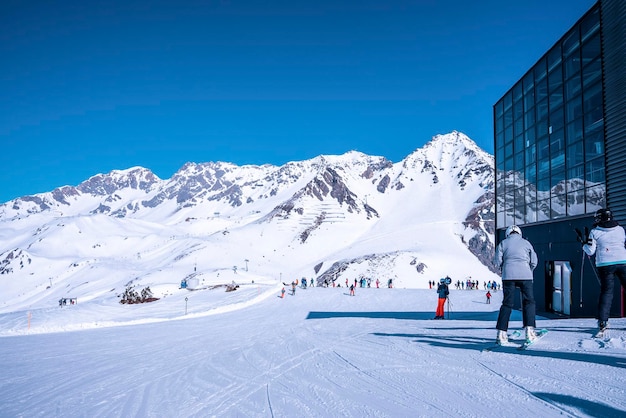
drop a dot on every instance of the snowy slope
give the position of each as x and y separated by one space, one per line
331 217
319 353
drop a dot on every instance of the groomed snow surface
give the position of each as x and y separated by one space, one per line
318 353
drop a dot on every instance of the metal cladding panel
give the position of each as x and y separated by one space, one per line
613 18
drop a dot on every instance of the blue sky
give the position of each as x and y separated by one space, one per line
87 87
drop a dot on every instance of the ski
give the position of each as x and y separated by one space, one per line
497 346
540 334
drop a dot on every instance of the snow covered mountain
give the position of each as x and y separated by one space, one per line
328 218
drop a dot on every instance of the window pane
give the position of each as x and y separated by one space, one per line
575 203
556 119
591 49
590 24
531 154
572 87
576 177
574 131
542 110
574 109
571 42
531 173
595 198
592 73
557 150
541 90
554 57
595 172
572 65
592 105
575 154
594 144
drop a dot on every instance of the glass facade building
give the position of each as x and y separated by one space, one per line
560 155
549 133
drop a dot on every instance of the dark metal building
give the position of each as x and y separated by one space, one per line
560 154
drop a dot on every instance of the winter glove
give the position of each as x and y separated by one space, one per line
583 239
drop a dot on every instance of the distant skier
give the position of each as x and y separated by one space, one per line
377 284
442 292
351 290
293 288
282 293
488 297
517 259
607 240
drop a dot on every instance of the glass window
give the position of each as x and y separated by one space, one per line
556 119
528 83
591 49
554 57
541 90
518 144
531 212
572 86
500 139
572 65
508 133
543 210
557 150
592 72
508 164
519 162
574 131
499 124
531 173
576 178
590 24
508 150
594 144
542 110
571 42
519 127
592 105
508 117
501 218
529 135
542 128
540 70
574 109
595 198
594 172
529 118
517 92
543 157
531 154
555 81
508 100
575 154
499 108
575 203
500 154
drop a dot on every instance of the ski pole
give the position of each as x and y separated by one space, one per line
582 265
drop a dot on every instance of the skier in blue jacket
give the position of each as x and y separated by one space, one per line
517 259
607 240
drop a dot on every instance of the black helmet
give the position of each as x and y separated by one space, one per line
603 215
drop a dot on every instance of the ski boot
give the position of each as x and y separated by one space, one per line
502 338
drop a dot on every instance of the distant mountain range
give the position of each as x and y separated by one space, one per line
324 218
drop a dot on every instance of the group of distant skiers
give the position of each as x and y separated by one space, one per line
516 258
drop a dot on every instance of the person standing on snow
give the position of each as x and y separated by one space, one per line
442 292
607 241
517 260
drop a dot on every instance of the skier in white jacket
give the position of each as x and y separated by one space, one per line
607 240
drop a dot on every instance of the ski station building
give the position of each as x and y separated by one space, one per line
560 155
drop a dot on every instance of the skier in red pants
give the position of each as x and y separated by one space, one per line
443 292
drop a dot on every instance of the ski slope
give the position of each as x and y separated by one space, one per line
319 353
